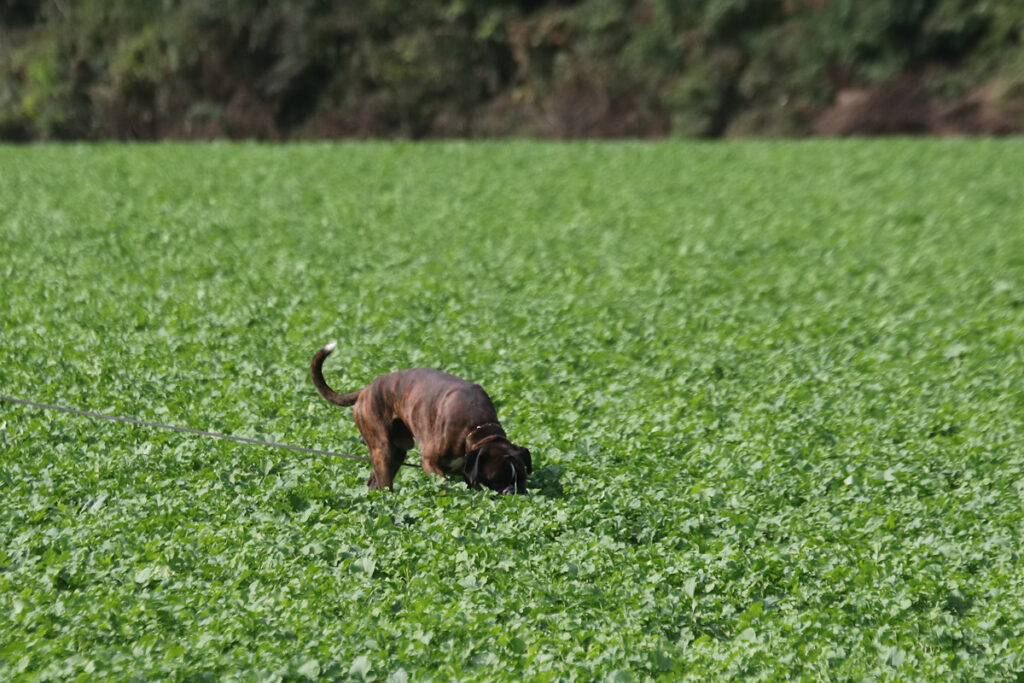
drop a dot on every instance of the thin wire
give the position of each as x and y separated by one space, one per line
187 430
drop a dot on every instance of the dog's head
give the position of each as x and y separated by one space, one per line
499 465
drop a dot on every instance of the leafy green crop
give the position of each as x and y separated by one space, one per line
773 392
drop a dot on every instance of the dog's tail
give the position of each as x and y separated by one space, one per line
316 371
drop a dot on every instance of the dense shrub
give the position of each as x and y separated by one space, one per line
196 69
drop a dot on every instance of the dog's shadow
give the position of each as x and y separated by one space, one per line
547 482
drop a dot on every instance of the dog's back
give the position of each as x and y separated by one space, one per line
429 399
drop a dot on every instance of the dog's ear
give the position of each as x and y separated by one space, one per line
524 456
472 468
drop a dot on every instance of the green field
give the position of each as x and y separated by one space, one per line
774 394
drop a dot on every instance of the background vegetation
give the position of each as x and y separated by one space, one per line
773 392
144 69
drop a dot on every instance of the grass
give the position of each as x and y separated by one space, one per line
773 392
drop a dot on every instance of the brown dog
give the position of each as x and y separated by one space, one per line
453 421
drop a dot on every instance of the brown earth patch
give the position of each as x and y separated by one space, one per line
904 107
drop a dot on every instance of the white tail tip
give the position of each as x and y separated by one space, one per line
330 347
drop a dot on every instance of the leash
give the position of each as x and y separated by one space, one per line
187 430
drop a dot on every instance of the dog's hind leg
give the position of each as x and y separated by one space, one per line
375 435
396 456
385 459
398 442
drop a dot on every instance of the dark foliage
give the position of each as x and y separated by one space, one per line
134 69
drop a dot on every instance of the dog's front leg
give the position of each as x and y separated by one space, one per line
430 460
